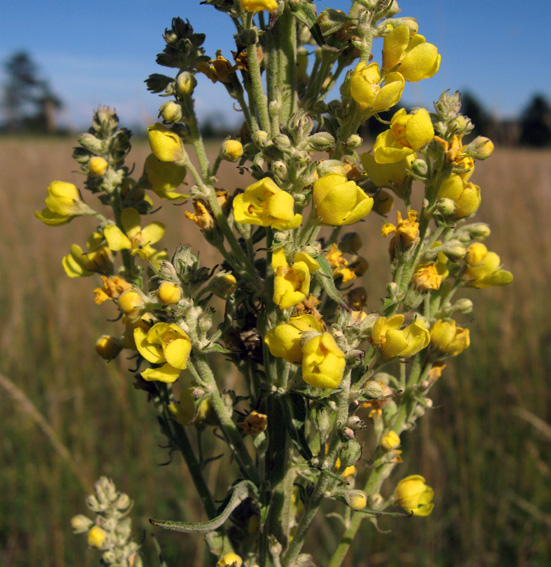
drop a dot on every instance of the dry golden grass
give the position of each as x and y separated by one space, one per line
484 448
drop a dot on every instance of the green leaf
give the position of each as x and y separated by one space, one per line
294 409
306 13
324 276
241 491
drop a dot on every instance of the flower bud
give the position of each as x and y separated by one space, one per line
354 142
480 148
231 150
81 524
223 284
350 453
356 499
476 253
97 166
96 537
419 166
390 441
91 143
478 230
383 203
350 243
373 390
165 144
170 112
320 142
454 250
130 302
185 83
108 347
445 207
169 293
260 138
464 306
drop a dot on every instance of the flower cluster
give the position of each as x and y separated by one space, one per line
287 302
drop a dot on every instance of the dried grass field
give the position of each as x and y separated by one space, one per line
485 447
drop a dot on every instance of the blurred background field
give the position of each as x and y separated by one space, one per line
484 447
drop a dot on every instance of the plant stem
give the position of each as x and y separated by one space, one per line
229 428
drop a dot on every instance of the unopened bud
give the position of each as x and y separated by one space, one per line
480 148
96 537
130 302
231 150
350 243
350 453
464 306
169 293
356 499
445 207
373 390
90 142
478 230
81 524
390 441
185 83
108 347
454 250
170 112
419 167
329 166
97 166
354 142
260 138
383 203
320 142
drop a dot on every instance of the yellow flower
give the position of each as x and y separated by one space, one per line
464 194
339 264
265 204
414 58
97 166
231 150
390 441
137 240
258 5
165 144
63 203
339 201
407 229
169 293
413 495
165 177
366 90
164 343
230 560
96 537
391 175
185 411
202 217
394 341
291 284
486 271
219 69
284 340
254 423
323 362
407 134
79 264
113 288
430 276
448 338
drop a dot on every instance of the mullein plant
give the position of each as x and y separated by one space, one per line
328 387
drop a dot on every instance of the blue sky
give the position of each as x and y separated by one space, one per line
99 53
